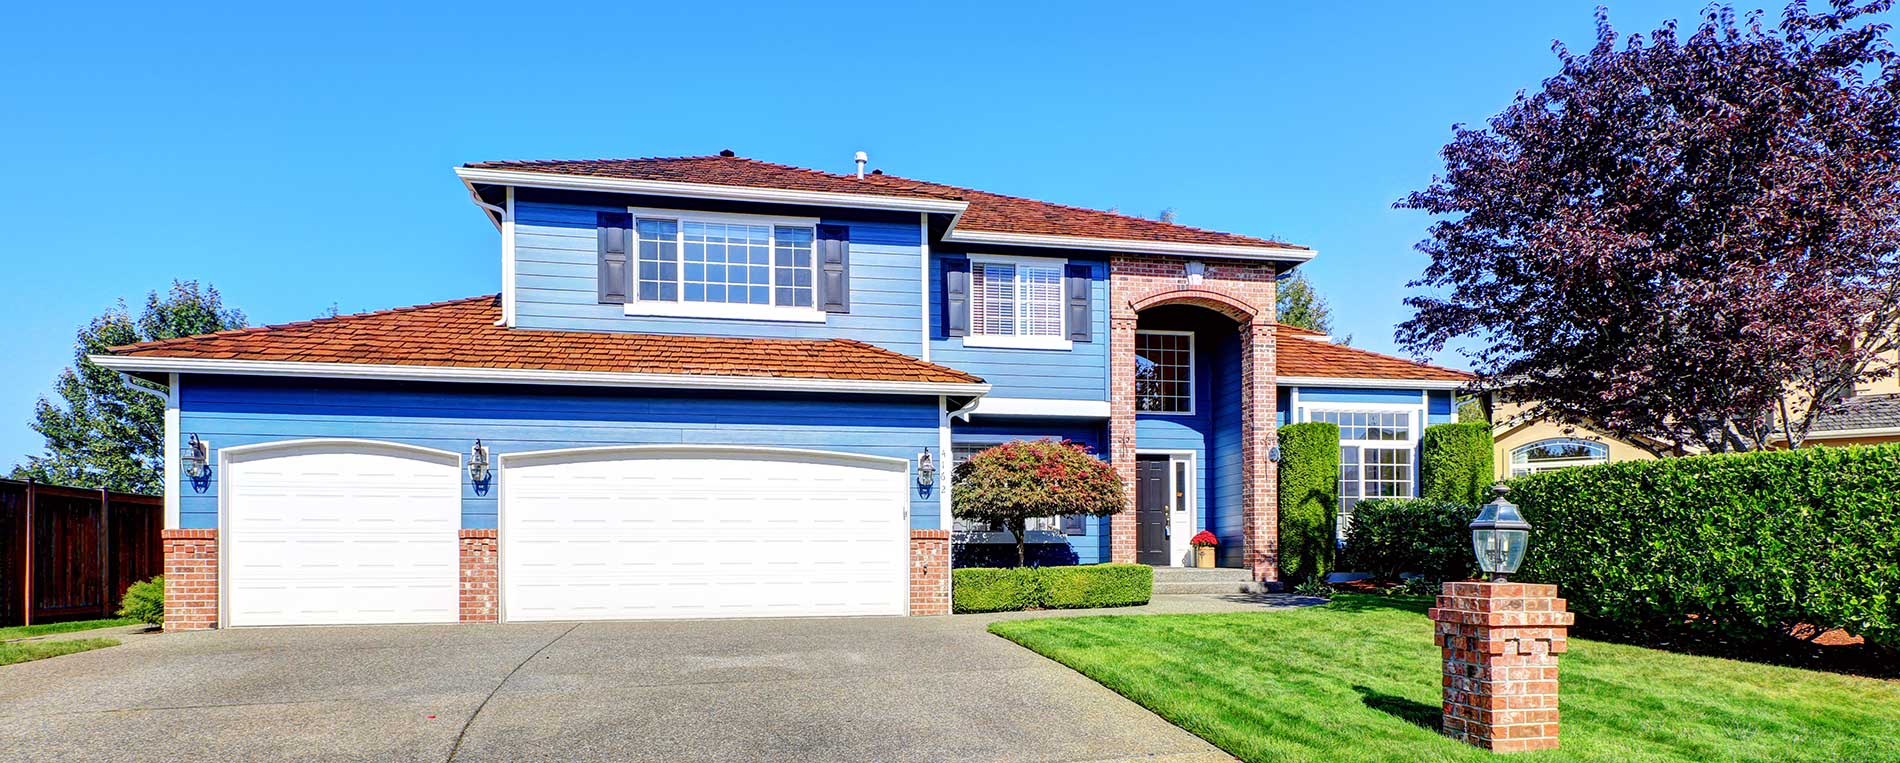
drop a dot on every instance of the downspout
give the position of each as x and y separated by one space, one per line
964 410
502 220
170 399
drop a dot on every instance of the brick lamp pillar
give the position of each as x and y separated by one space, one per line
1500 643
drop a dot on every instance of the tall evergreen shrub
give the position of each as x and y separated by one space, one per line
1309 499
1455 462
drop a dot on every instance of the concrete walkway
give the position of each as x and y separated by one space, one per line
844 689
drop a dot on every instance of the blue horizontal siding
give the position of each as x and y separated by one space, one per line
555 283
231 411
1223 513
1310 395
1091 548
1441 409
1079 373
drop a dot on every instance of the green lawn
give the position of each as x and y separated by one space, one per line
27 651
1358 680
28 631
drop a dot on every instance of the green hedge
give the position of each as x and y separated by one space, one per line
1760 540
1389 536
983 589
1309 498
1455 463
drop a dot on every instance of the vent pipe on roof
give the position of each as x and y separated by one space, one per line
861 159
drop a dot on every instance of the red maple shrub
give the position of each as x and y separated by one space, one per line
1023 479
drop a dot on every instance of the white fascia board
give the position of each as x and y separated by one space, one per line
1283 254
1325 381
528 376
706 191
1837 434
1027 406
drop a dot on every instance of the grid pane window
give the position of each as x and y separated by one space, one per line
1550 455
793 262
1164 372
1368 425
726 263
1375 457
659 259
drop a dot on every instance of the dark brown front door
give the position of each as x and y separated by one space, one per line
1151 510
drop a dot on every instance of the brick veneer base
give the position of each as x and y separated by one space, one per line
930 572
481 584
191 579
1500 643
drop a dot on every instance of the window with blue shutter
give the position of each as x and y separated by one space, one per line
834 268
612 232
956 296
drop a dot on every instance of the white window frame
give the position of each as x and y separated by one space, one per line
1020 341
683 309
1515 469
1418 423
1193 352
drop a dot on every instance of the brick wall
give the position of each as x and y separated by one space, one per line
191 579
1244 292
930 572
481 583
1500 643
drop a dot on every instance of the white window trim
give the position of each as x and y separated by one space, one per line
1521 468
721 310
1419 411
1060 341
1193 401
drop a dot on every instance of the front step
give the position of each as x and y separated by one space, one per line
1194 580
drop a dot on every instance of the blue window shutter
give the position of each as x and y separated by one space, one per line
613 239
834 268
956 296
1078 288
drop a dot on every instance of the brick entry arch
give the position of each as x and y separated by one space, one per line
1244 292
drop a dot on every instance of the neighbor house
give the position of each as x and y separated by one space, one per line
718 387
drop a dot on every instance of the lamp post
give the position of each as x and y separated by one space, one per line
1499 536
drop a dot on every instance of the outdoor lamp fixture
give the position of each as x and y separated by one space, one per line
926 469
478 463
1499 536
197 462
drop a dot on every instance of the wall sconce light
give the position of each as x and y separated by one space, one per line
926 469
1195 271
197 461
478 463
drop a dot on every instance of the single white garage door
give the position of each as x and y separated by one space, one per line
700 532
341 532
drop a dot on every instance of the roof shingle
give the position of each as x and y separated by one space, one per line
1299 352
987 211
1860 412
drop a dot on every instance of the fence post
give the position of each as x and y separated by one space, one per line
26 581
105 553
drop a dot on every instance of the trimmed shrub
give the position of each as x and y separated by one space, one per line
1105 585
1391 536
1309 498
1758 541
145 601
1455 463
1018 588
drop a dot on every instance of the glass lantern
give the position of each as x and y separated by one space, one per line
1499 536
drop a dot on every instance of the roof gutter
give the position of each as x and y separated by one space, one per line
1360 383
460 374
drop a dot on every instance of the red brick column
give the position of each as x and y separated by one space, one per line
1121 428
481 584
1500 644
191 579
930 572
1260 482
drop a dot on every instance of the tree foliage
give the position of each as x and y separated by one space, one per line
1023 479
1674 231
1299 304
101 432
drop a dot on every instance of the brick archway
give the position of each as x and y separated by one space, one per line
1244 293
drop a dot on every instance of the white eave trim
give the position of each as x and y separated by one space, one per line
706 191
1837 434
528 376
1327 381
1025 406
1278 253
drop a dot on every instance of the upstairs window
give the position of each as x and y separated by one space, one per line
724 267
1164 372
1017 302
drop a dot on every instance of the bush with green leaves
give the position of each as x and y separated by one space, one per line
1455 462
1024 479
1755 541
1392 536
1309 498
984 589
145 601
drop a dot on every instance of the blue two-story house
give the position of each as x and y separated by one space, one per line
718 387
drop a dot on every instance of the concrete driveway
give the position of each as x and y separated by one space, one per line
819 689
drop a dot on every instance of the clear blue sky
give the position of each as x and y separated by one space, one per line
300 161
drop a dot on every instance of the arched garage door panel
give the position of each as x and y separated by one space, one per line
341 532
702 532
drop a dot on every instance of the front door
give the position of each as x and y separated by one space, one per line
1151 510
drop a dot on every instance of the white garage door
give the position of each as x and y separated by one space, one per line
642 533
340 532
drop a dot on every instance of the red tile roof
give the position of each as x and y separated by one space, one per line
462 333
987 211
1300 352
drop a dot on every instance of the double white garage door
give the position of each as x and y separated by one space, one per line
353 532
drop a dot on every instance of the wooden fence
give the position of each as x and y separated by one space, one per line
69 553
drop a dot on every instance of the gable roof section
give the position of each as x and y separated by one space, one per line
1304 354
985 213
461 334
